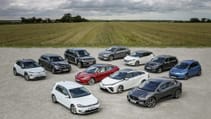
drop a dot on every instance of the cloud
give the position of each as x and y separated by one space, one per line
103 8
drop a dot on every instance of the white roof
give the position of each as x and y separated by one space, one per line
69 84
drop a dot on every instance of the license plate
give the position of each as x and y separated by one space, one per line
148 67
91 108
173 77
65 70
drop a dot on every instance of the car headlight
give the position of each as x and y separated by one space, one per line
80 105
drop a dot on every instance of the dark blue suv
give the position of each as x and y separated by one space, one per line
185 70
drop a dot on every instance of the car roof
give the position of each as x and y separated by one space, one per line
118 46
126 70
76 49
160 80
165 56
50 55
26 60
101 65
188 61
69 84
143 51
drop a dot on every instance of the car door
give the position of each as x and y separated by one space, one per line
19 68
172 61
145 58
129 80
166 64
193 69
101 74
62 96
163 90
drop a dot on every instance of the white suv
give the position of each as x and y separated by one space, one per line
138 57
123 80
75 97
29 69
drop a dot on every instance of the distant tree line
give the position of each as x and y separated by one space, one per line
203 20
66 18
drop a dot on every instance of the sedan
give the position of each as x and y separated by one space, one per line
123 80
185 70
153 90
95 73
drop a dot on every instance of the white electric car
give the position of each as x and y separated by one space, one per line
123 80
138 57
75 97
29 69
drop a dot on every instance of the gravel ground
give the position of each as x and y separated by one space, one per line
20 99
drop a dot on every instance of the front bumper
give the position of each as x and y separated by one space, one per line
82 81
103 57
151 69
135 100
88 63
60 70
37 75
109 88
87 110
176 76
130 62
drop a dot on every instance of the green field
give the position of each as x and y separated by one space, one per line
100 34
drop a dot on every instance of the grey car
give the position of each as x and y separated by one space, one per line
153 90
114 52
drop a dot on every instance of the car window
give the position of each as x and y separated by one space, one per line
167 60
193 65
129 75
164 86
146 54
107 68
172 59
44 58
138 73
103 69
18 63
61 90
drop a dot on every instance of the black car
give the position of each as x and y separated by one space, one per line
79 57
161 63
54 63
115 52
153 90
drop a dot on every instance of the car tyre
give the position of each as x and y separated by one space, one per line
199 74
151 102
111 58
79 64
177 94
91 81
26 77
73 109
159 70
15 72
54 100
137 63
120 89
186 77
53 71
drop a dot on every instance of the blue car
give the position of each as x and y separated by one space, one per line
185 70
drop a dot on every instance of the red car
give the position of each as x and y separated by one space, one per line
95 73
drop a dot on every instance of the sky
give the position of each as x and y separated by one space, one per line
107 9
